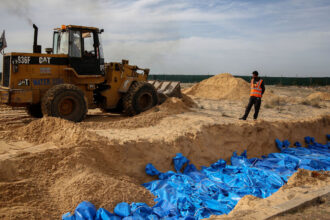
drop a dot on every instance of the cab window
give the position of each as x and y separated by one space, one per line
88 42
61 43
101 47
75 44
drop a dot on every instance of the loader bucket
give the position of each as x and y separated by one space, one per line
166 89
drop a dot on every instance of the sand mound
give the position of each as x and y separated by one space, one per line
149 118
44 130
305 177
50 183
272 100
50 129
322 96
225 86
316 99
188 101
246 202
222 86
63 132
175 105
101 189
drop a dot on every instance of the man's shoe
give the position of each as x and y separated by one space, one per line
242 118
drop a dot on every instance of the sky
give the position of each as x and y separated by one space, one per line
275 37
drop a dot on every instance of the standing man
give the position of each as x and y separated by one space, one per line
257 90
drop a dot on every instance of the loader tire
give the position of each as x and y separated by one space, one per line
34 110
65 101
140 97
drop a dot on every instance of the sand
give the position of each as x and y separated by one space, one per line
49 165
222 86
324 96
44 185
152 117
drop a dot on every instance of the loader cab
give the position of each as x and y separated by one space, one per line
83 47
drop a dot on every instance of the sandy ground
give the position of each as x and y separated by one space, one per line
49 165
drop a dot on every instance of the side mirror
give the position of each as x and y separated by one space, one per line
101 31
49 50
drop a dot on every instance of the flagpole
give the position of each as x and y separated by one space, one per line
3 43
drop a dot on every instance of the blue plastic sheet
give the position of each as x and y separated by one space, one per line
123 209
214 190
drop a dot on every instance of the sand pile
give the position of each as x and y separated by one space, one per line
176 106
321 96
226 87
188 101
50 129
315 99
48 184
271 100
102 189
149 118
44 130
222 86
307 178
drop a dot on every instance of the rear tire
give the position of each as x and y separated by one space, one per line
34 110
65 101
140 97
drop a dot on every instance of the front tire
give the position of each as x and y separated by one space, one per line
65 101
140 97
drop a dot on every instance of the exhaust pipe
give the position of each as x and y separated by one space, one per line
36 47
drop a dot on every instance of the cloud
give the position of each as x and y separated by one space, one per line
285 37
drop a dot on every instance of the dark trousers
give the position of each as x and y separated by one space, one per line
256 101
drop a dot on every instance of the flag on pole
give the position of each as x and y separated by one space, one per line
3 42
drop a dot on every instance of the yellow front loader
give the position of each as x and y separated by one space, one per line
72 77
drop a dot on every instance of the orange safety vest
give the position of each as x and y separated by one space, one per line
256 90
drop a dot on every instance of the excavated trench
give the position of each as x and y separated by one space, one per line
87 165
